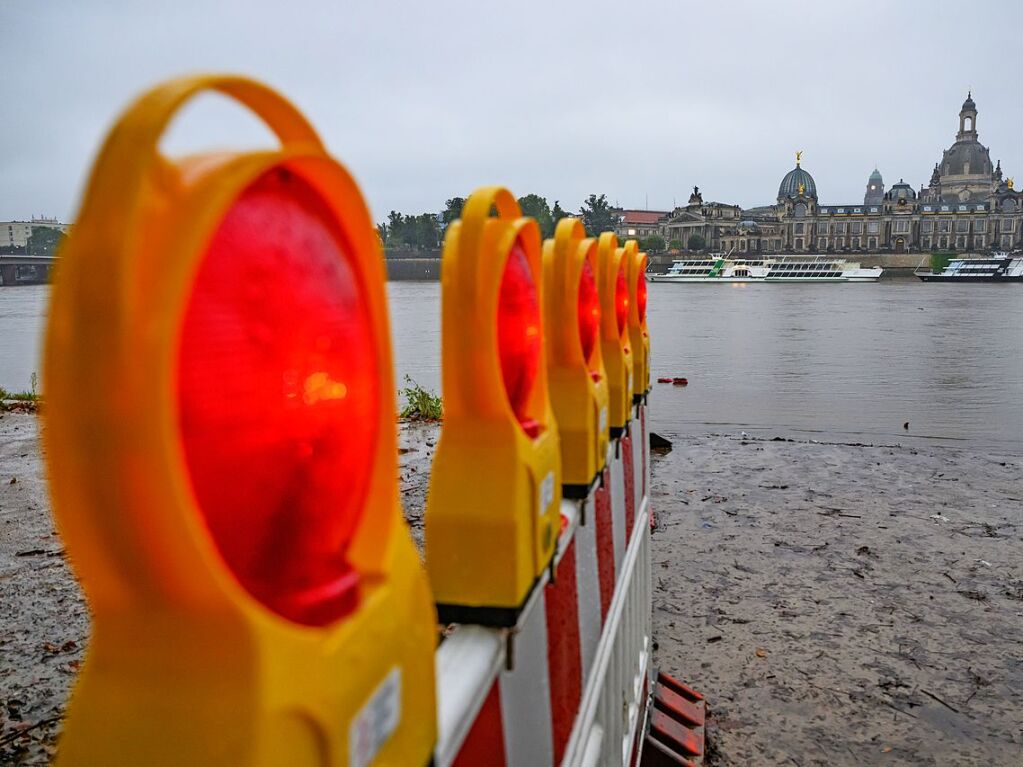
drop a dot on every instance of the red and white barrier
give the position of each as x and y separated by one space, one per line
569 685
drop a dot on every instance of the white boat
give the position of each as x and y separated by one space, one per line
728 269
999 267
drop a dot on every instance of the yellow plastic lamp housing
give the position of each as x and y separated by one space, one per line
614 331
492 514
215 322
575 368
639 336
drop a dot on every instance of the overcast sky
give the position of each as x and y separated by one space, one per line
427 100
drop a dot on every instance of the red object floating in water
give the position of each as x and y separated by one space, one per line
664 380
680 381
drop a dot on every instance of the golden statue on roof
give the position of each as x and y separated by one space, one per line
1008 183
801 188
799 155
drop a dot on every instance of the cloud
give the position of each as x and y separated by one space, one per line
423 101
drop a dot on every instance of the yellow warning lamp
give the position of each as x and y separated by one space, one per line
639 336
575 369
492 513
614 335
222 459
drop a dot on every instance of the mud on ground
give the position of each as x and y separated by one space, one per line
837 604
843 605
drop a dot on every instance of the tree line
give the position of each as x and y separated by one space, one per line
426 230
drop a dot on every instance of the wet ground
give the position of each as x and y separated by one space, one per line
843 604
838 604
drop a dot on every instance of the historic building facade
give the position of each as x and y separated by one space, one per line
967 206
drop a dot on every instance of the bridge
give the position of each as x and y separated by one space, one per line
24 269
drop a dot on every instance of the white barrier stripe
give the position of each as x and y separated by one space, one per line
588 585
608 664
570 513
639 440
526 694
618 510
467 663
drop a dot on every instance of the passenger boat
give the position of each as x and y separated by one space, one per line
725 269
1001 267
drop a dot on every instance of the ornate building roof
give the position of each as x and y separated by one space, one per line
965 171
797 182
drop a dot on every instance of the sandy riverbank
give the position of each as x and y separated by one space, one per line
807 589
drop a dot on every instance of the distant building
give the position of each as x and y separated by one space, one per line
967 206
639 224
15 234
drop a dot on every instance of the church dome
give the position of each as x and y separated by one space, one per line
793 179
966 158
875 177
901 191
969 104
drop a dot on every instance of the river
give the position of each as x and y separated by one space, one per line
851 362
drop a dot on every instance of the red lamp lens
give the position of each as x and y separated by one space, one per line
621 299
641 296
518 332
279 398
588 310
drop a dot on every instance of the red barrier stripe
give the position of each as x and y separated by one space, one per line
629 477
605 543
564 663
485 742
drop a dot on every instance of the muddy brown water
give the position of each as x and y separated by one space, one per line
855 361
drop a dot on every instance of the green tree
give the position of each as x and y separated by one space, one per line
395 228
654 243
535 206
382 233
675 245
44 240
696 242
427 231
452 210
558 213
597 216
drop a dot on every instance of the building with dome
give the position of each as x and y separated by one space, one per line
967 206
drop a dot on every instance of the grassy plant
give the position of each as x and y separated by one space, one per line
420 404
22 396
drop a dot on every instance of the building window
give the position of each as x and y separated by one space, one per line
856 228
872 242
798 228
927 226
822 227
840 228
840 243
926 242
980 225
822 243
962 226
960 242
873 227
944 225
799 243
856 243
1006 224
900 226
978 241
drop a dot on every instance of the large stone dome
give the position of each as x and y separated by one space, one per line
793 179
966 158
